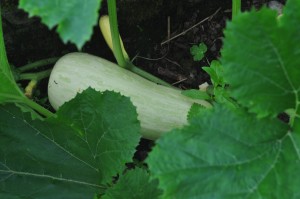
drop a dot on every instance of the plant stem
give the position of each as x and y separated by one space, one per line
5 68
37 64
149 76
113 21
37 76
37 107
4 65
236 8
117 50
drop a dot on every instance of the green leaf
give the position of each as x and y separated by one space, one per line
222 96
215 72
108 122
212 73
68 156
261 59
37 159
134 184
75 18
194 111
195 94
198 51
217 66
9 91
228 154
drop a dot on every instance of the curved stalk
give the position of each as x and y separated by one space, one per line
20 97
117 50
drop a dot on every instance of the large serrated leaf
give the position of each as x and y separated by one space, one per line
75 18
134 184
228 154
35 162
108 123
261 59
57 158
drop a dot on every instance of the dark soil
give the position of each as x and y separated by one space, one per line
144 27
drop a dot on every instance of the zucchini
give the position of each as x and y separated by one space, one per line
159 108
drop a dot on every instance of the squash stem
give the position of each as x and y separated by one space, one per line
149 76
5 67
35 106
37 76
236 8
117 50
38 64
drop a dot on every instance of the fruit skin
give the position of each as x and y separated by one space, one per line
159 108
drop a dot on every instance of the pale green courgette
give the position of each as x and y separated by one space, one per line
159 108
